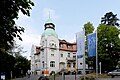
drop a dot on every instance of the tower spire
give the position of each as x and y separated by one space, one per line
49 14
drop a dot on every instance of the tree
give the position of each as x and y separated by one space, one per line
21 66
108 46
16 50
14 62
8 28
89 28
110 19
7 62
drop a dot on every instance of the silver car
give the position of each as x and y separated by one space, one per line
114 73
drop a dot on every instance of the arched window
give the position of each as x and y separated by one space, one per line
52 63
68 64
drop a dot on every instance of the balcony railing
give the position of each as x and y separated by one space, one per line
71 58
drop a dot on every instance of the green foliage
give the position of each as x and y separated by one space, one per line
9 10
22 64
108 42
118 65
108 46
87 78
93 77
89 28
6 64
110 19
14 64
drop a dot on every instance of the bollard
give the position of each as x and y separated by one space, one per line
75 75
64 75
54 75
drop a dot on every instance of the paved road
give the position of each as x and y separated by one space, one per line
67 77
109 79
72 77
115 78
35 77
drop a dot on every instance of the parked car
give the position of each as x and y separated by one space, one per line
114 73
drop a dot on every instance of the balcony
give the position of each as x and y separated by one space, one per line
71 59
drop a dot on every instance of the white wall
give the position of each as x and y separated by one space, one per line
54 51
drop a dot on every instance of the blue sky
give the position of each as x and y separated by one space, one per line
69 16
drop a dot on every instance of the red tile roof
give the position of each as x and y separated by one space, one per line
67 46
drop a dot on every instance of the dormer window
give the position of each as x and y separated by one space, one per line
69 46
61 45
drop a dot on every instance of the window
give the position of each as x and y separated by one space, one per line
52 64
36 66
52 44
61 45
68 64
74 64
61 55
74 53
52 54
69 46
68 54
43 64
52 50
80 63
74 57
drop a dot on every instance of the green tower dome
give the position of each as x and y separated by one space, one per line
49 29
49 32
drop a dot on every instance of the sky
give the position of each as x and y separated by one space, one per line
69 17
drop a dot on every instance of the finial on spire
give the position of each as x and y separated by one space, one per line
49 14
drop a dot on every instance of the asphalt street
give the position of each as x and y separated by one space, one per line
109 79
32 77
67 77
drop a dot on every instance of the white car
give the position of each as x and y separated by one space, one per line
114 73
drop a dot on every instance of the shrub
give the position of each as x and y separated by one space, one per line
87 77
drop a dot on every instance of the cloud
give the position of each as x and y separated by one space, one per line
28 41
31 35
47 12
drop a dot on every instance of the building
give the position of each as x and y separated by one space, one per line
54 54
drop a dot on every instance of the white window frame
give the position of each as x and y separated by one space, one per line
61 55
52 63
52 55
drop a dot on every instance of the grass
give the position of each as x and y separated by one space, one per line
52 76
104 76
93 76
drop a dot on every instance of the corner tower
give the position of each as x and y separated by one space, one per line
49 48
49 29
